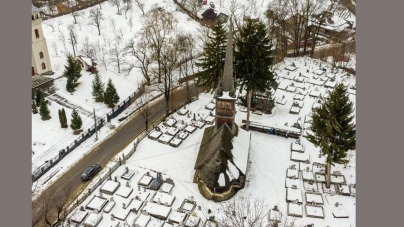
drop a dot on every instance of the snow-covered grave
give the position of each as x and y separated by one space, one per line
314 211
170 122
314 93
338 211
209 223
331 75
177 217
310 186
319 72
135 205
291 68
145 181
293 194
166 224
283 85
299 157
291 89
315 81
332 190
297 147
110 187
320 177
124 191
165 138
93 219
154 222
175 142
292 173
295 210
294 110
299 79
305 166
96 203
281 100
298 97
180 125
308 119
154 135
192 221
127 175
188 206
109 206
158 211
182 135
307 176
190 129
301 86
141 195
120 212
210 106
337 179
345 190
172 131
314 198
330 84
142 220
163 128
298 103
182 111
163 198
78 216
292 183
200 124
166 187
274 215
304 92
210 119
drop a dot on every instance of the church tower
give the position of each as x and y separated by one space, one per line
40 56
226 92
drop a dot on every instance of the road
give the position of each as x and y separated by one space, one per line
103 153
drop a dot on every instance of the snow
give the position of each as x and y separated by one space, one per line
79 216
307 175
295 109
292 183
172 131
314 211
241 144
297 147
158 210
221 180
183 135
295 209
163 198
294 195
145 180
190 129
337 179
177 216
87 61
314 198
166 187
301 157
234 172
211 106
290 68
124 191
183 111
155 134
135 205
292 173
96 203
170 122
192 221
299 97
291 89
188 206
141 195
93 219
142 220
109 207
339 212
226 95
165 138
109 187
210 119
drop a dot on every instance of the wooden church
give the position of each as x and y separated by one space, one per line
222 162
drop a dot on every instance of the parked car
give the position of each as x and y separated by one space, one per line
90 172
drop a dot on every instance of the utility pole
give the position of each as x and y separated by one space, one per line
95 125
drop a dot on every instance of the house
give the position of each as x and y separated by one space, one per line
209 15
86 63
221 164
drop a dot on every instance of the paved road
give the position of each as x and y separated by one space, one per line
109 148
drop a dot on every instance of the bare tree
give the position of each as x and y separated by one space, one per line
245 211
144 109
88 49
72 38
128 6
117 57
158 27
62 38
55 48
103 58
59 23
50 23
130 23
96 17
75 13
187 60
112 22
140 4
139 51
116 3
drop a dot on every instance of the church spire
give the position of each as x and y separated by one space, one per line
227 83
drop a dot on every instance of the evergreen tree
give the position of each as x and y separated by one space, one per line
253 60
98 88
38 96
72 72
213 57
43 110
111 96
34 108
76 120
333 129
64 119
60 118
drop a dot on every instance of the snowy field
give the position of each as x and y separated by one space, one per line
269 168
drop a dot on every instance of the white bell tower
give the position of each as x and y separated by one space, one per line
40 56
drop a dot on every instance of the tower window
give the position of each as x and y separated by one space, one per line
43 66
33 18
41 55
36 33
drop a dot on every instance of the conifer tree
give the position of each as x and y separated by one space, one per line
333 128
98 88
72 72
76 120
38 96
253 60
43 110
64 119
213 57
34 108
60 118
110 96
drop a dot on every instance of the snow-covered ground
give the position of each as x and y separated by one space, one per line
269 157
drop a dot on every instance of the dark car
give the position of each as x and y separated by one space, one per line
90 172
